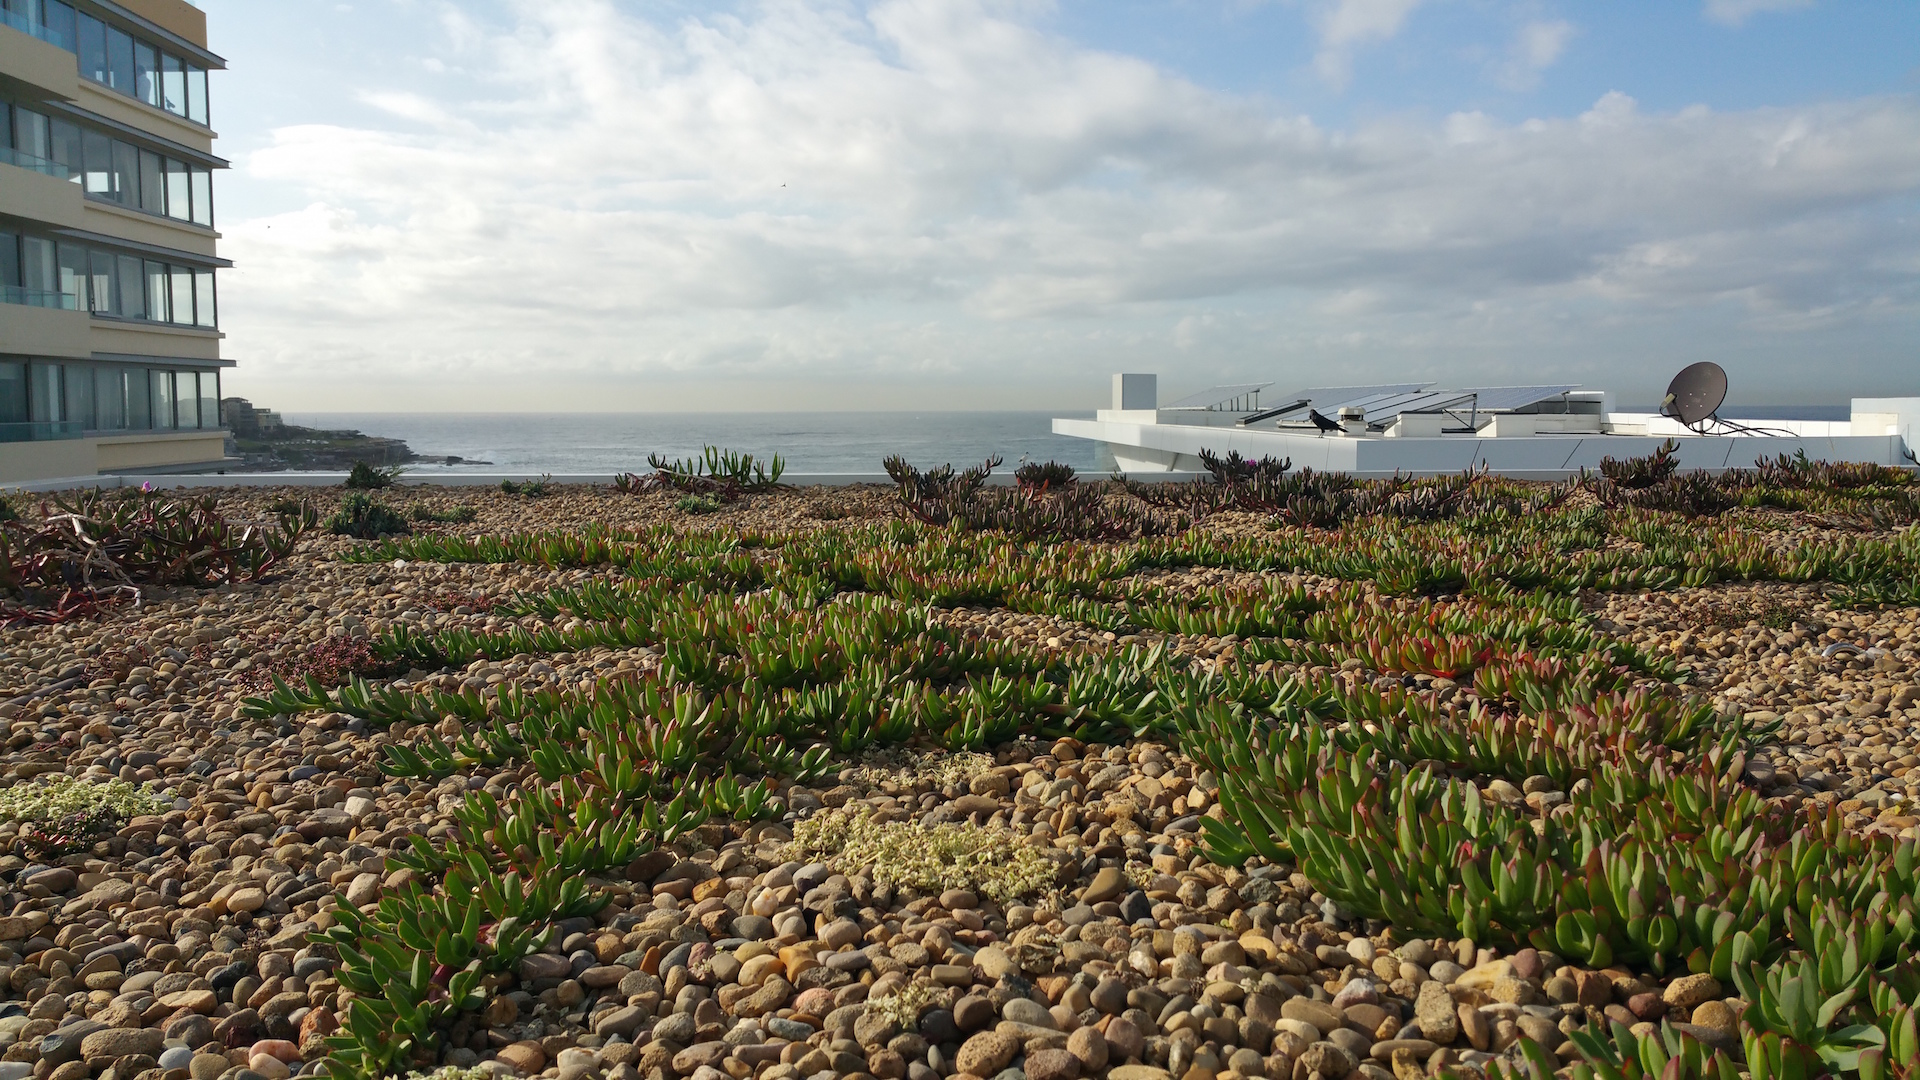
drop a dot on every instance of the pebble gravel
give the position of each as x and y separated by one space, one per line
177 948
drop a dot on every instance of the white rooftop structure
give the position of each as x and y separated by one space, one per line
1543 432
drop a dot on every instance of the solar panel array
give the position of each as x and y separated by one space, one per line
1507 398
1384 402
1234 396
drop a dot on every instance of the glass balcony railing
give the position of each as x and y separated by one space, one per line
34 26
40 431
14 294
37 164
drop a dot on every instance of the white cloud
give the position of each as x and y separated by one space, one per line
1347 24
1535 47
407 107
1736 12
1351 22
934 188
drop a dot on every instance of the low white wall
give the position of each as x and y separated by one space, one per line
1900 416
1536 457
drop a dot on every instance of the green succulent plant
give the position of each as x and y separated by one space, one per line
1374 732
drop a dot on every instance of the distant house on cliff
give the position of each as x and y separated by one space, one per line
248 421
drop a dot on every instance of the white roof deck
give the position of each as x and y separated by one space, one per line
1880 431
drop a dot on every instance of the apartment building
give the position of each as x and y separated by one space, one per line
109 300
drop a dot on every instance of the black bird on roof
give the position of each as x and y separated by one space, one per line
1320 421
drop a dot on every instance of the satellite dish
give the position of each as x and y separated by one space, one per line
1695 394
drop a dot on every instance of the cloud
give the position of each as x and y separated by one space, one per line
1346 24
1737 12
933 188
1535 48
407 107
1352 22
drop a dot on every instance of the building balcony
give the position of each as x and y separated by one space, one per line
14 294
40 431
21 159
32 54
35 28
43 324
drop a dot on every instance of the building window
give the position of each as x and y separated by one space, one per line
93 48
10 289
30 135
146 73
179 194
173 85
65 147
109 398
104 301
203 197
163 415
132 290
79 394
205 301
186 400
153 187
40 272
182 296
209 399
126 174
43 392
157 306
139 399
197 95
120 60
97 161
73 277
13 392
26 141
57 23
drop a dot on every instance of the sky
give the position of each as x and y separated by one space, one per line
614 205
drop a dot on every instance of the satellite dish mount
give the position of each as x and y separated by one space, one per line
1695 395
1694 398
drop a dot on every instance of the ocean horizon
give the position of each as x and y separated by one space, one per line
807 442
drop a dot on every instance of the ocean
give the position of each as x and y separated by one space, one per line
808 442
813 442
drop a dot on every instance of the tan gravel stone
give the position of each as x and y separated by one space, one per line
1688 991
987 1053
